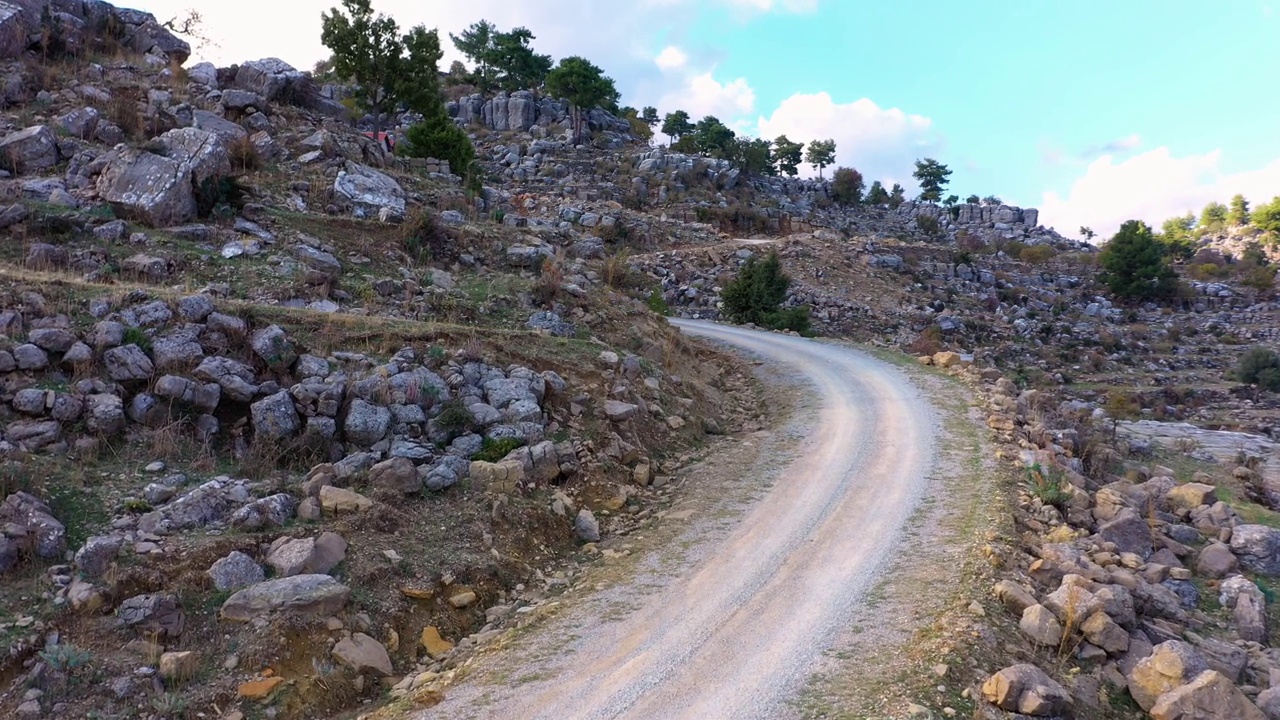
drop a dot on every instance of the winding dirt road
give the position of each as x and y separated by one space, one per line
737 633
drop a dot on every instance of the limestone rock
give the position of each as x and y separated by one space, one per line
151 189
340 500
313 556
275 416
235 571
586 527
1028 690
1208 697
1171 664
361 652
1039 624
31 150
367 193
1258 548
306 594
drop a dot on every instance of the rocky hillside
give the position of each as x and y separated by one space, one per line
291 424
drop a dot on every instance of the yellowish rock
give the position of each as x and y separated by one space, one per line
435 645
463 599
179 666
259 689
340 500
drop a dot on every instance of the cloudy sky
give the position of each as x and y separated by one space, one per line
1094 111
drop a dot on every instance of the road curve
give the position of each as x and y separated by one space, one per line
736 637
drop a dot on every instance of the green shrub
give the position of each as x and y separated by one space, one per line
220 195
137 336
658 304
495 450
438 137
928 225
1260 366
756 296
1047 485
1135 266
792 318
455 418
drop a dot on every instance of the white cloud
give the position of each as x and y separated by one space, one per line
1113 147
881 144
671 58
703 95
1152 187
794 6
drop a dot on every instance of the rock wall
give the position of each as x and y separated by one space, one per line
522 111
81 22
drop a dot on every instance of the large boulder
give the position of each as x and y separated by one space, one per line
28 514
362 653
148 188
1258 548
307 556
30 150
230 132
275 416
271 78
1026 689
1208 697
304 594
367 193
235 571
366 423
1170 665
201 153
1129 531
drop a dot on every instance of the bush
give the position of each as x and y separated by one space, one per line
438 137
1260 366
657 303
1047 485
1135 266
928 225
244 155
846 186
426 238
1036 254
755 296
220 195
495 450
792 318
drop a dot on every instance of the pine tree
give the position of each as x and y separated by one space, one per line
788 155
933 177
821 154
1238 214
756 294
676 125
846 186
1135 266
584 85
877 195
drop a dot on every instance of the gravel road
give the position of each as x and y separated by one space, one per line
737 633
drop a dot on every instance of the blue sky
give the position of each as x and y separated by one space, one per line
1093 111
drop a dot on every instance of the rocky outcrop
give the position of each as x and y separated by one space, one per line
79 25
367 193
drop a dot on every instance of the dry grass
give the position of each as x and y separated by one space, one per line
244 155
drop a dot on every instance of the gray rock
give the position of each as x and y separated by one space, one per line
80 124
274 347
235 571
105 414
95 557
202 154
1258 548
195 308
32 436
366 424
303 594
155 615
24 510
586 527
54 340
1129 531
229 132
367 193
272 511
30 401
275 416
321 267
127 364
235 378
30 150
148 188
618 411
397 475
30 357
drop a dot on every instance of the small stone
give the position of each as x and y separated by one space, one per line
463 599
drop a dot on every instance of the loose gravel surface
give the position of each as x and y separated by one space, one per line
728 618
